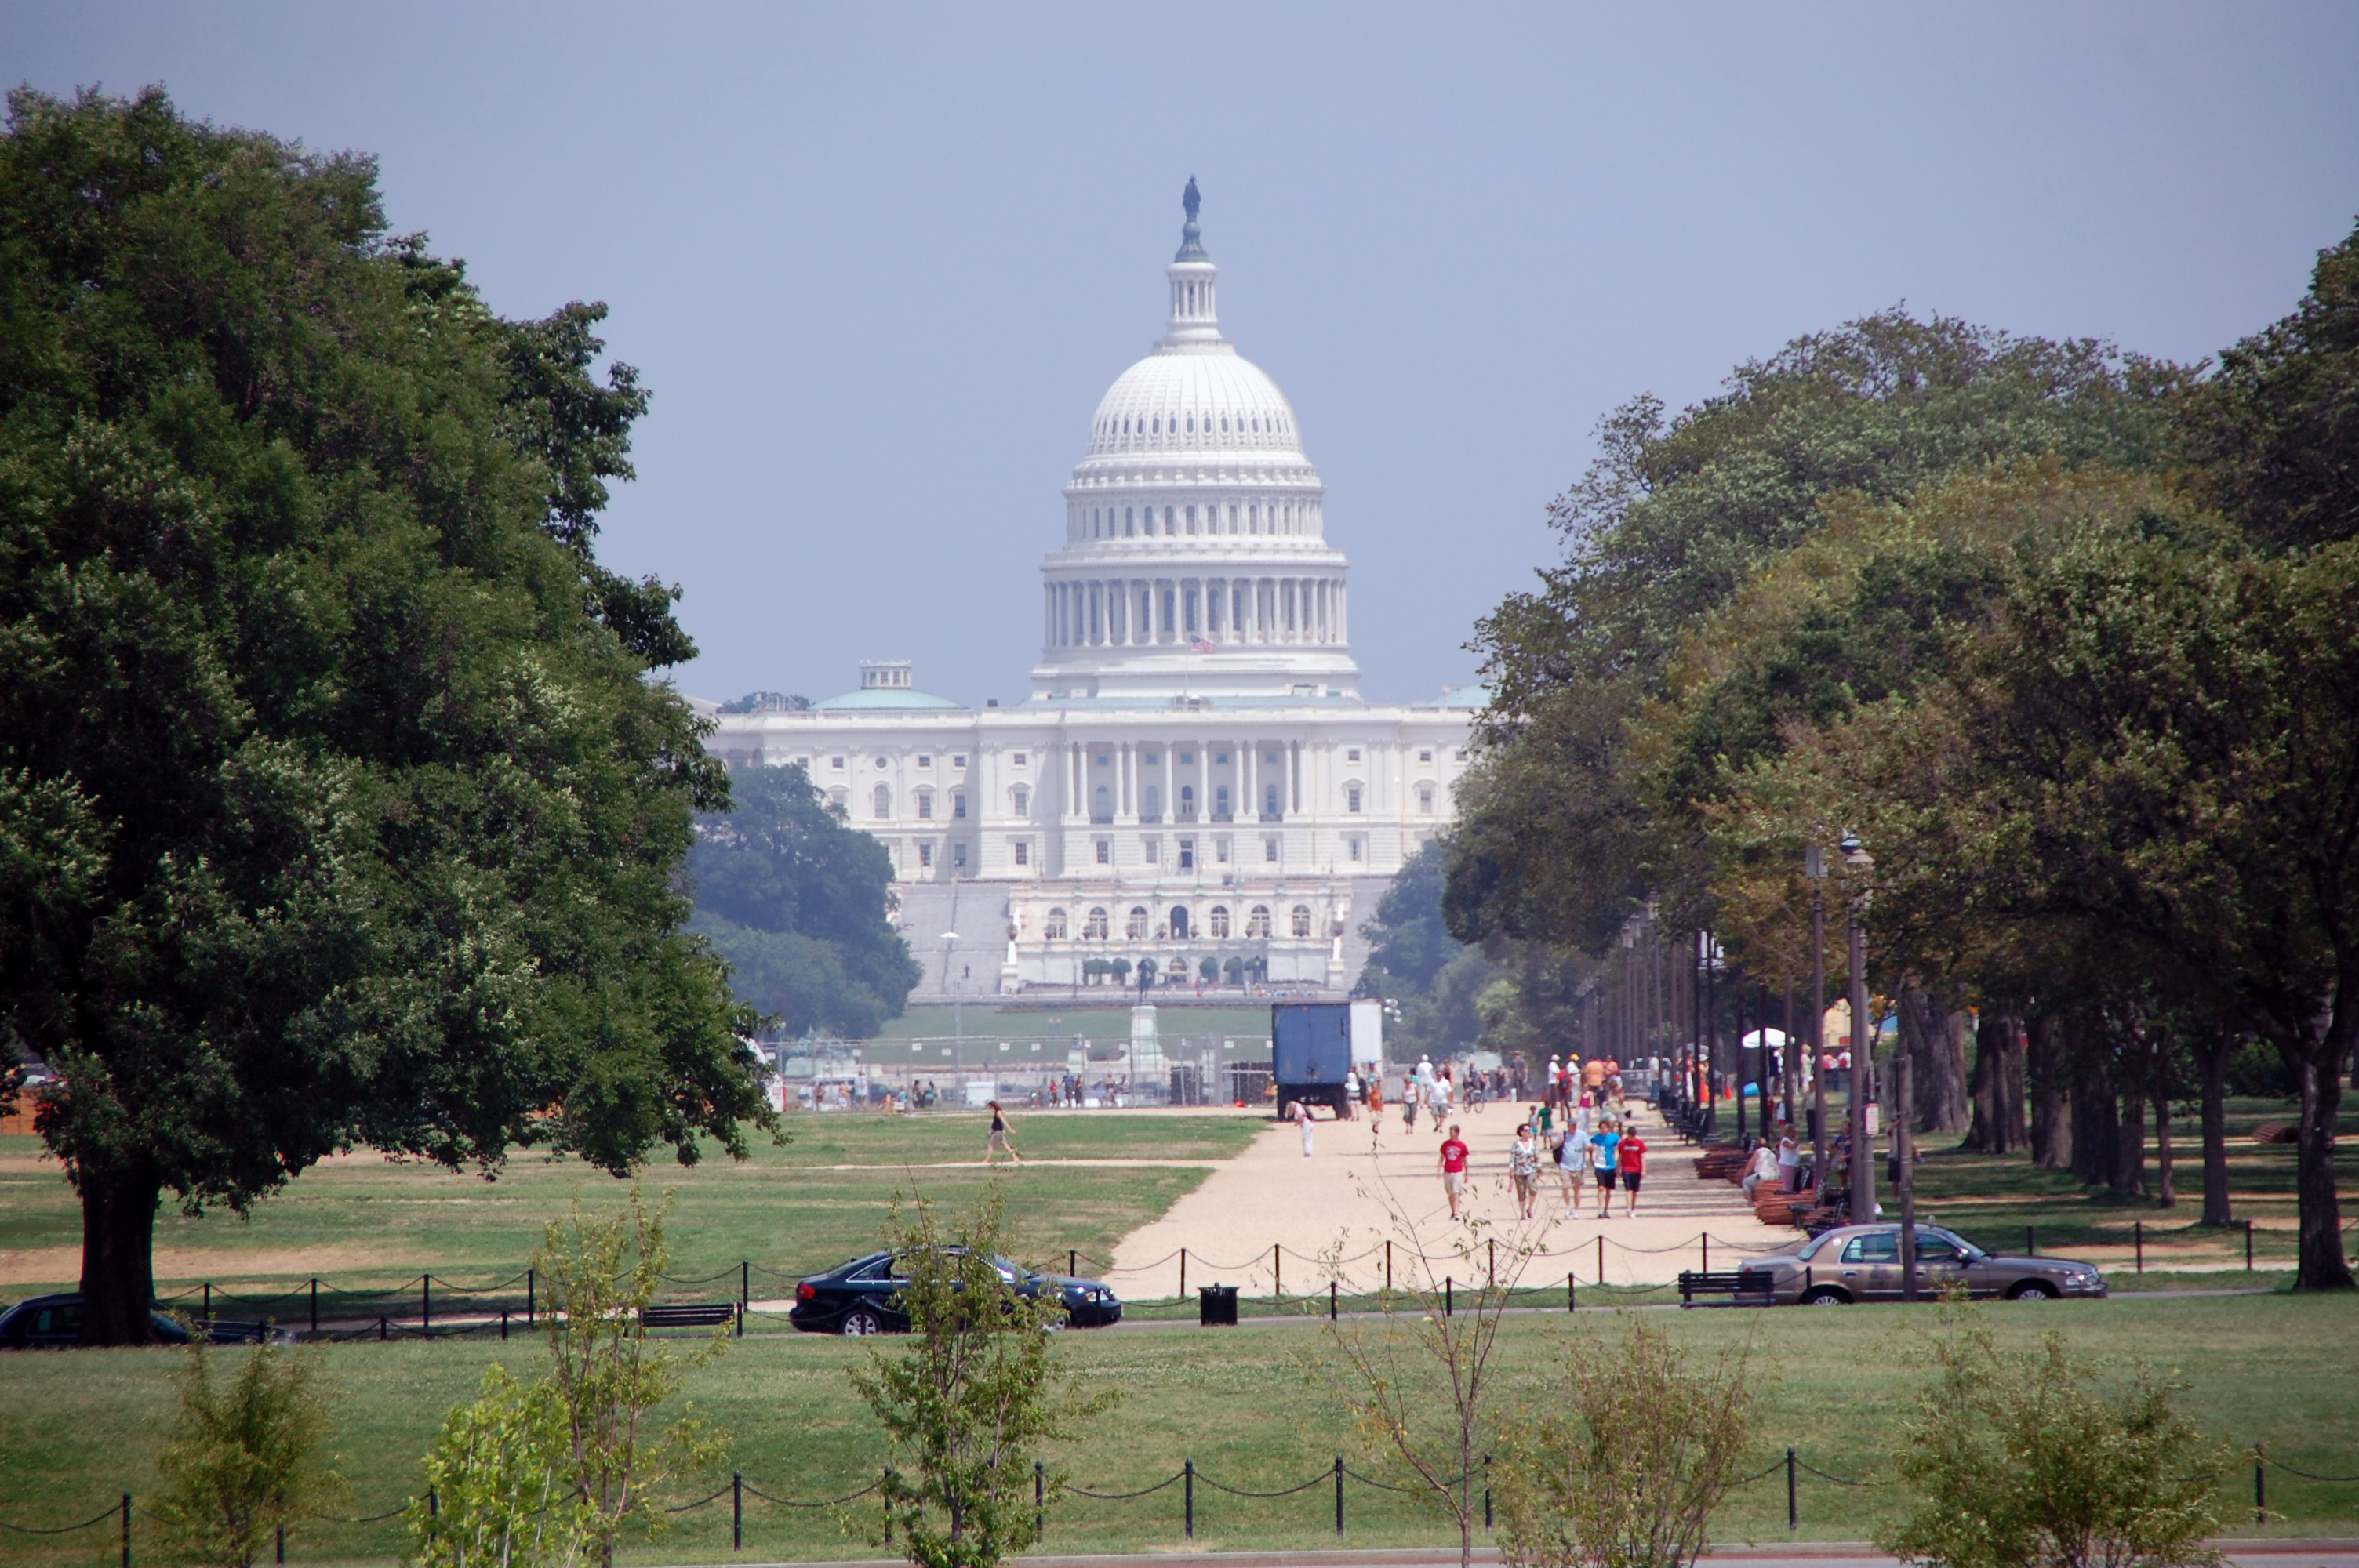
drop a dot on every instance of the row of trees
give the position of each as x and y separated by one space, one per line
2062 635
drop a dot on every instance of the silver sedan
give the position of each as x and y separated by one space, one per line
1862 1263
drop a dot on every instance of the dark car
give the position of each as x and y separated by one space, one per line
1862 1263
54 1323
861 1297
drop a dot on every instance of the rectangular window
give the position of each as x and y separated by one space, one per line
1350 756
1269 850
925 808
1149 757
836 763
1358 852
1018 758
958 856
1424 756
1350 800
1106 852
1461 753
1151 850
957 760
925 854
1187 854
1023 853
1187 759
926 761
1221 851
958 807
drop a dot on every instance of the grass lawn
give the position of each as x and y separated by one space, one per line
362 1221
80 1429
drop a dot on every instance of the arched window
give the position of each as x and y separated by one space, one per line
1135 927
1425 799
1219 927
1096 927
884 803
1102 806
1258 920
1351 797
1302 920
1187 803
1179 923
1053 928
1022 798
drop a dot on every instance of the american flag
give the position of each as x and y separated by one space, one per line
1198 643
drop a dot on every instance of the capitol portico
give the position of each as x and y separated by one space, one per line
1194 778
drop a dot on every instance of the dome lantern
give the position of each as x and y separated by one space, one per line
1194 322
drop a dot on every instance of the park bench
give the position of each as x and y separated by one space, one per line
1720 1162
691 1314
2276 1132
1743 1287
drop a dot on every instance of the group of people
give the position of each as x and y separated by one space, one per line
1595 1144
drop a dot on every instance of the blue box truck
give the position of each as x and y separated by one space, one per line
1311 1050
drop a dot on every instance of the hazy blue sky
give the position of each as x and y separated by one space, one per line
879 262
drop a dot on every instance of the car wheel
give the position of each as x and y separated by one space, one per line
860 1322
1826 1296
2032 1290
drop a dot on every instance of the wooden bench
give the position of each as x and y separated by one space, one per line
1744 1287
2276 1132
1721 1162
693 1315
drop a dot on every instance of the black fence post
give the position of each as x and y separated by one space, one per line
1793 1520
1072 1260
1331 1304
315 1302
2031 1241
433 1503
1188 1472
426 1301
529 1283
888 1505
2137 1227
1339 1494
1571 1296
126 1529
1388 1265
1040 1501
736 1510
282 1543
503 1322
744 1281
1486 1492
382 1332
209 1305
740 1320
2248 1245
1448 1291
1492 1261
2260 1486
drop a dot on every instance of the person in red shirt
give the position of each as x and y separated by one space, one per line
1453 1168
1631 1156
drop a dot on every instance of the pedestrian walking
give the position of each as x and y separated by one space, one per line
1302 1115
1603 1144
1001 1143
1351 1091
1630 1164
1524 1169
1572 1167
1453 1168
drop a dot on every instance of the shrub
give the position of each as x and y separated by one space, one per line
2020 1461
244 1457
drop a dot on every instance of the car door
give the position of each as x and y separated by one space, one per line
1870 1267
1940 1263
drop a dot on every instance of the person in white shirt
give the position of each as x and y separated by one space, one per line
1763 1168
1790 1164
1572 1167
1437 1097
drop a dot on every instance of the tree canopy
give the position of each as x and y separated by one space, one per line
799 901
336 806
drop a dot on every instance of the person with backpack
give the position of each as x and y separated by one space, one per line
1603 1147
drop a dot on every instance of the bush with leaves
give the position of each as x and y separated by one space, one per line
556 1472
967 1404
2021 1460
1625 1470
246 1456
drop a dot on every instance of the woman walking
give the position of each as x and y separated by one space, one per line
1604 1145
1300 1112
1001 1143
1524 1167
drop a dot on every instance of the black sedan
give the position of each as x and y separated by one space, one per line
859 1297
54 1323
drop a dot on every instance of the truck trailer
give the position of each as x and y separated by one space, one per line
1313 1044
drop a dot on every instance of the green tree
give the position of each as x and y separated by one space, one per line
496 1472
365 816
2020 1463
798 901
247 1458
969 1404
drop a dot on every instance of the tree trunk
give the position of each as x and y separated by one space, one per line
2096 1122
2052 1107
2166 1191
2317 1070
1940 1069
2011 1082
2211 1050
2129 1153
1996 1087
118 1271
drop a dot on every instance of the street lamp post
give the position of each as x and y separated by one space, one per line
958 1016
1711 1035
1814 866
1858 863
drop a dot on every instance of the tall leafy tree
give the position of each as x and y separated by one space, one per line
335 805
800 903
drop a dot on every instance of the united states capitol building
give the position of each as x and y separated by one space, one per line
1194 776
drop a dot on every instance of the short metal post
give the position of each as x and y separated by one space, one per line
126 1529
1601 1257
1040 1501
1448 1286
433 1503
1572 1297
1072 1260
736 1510
1183 1274
1793 1518
2031 1241
1277 1274
2138 1229
1187 1470
740 1320
1388 1265
888 1505
503 1324
1331 1301
209 1303
426 1301
1339 1494
1705 1237
1491 1243
382 1332
315 1300
744 1281
2260 1486
1486 1492
2248 1247
529 1283
282 1543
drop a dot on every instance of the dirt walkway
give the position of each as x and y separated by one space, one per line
1341 1204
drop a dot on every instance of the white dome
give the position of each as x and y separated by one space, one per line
1216 406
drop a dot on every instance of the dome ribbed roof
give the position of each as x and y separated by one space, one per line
1184 400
